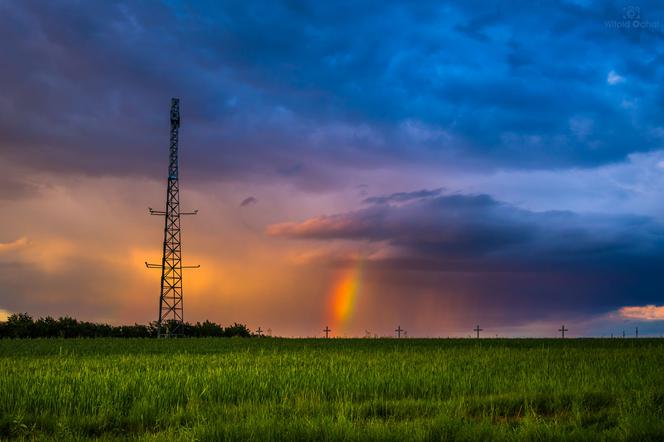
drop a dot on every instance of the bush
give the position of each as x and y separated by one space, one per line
22 325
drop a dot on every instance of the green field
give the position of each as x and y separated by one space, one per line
291 389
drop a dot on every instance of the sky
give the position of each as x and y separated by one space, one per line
357 165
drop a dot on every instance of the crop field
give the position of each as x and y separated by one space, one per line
336 389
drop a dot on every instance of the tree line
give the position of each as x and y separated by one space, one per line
22 325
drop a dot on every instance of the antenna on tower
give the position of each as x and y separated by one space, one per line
171 308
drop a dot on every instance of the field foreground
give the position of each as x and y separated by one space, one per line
297 389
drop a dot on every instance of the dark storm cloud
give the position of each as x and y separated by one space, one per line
248 201
478 226
285 89
402 196
590 261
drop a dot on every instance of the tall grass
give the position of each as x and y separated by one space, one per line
274 389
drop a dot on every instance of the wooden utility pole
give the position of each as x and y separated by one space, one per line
562 330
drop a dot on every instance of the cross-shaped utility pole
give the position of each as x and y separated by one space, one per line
327 331
259 332
637 332
477 330
398 331
623 333
562 330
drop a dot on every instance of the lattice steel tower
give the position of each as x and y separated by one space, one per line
171 307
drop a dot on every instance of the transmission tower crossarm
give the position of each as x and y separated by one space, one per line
156 212
162 213
158 266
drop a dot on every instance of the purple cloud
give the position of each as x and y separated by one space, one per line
248 201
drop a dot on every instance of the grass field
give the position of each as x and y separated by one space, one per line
281 389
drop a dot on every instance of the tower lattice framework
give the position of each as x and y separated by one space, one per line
171 307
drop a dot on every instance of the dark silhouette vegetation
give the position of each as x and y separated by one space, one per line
22 325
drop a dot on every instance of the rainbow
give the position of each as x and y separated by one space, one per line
343 297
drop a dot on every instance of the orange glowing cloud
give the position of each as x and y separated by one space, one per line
50 254
644 313
320 227
14 245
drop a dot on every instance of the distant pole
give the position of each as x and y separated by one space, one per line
611 335
637 332
259 332
398 331
562 330
623 333
477 330
327 332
